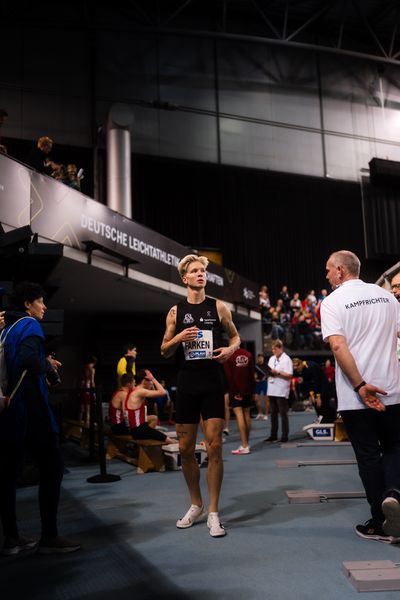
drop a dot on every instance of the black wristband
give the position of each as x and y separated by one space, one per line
359 386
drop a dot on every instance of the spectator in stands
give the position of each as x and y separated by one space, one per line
264 303
28 423
72 179
39 157
303 331
141 426
281 371
278 331
311 299
239 371
323 295
285 297
59 173
295 303
127 364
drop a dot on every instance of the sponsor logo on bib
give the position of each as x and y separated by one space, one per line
201 347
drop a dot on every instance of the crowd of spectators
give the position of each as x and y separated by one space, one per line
40 158
291 319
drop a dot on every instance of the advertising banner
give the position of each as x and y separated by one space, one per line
62 214
15 192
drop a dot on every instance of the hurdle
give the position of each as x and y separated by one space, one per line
313 444
373 575
315 496
290 463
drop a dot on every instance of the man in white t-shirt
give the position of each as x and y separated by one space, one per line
361 320
280 374
395 289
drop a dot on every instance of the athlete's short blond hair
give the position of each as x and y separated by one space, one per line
189 259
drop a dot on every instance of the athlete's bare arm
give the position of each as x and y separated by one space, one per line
118 399
225 315
171 340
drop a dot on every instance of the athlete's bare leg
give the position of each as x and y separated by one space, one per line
247 418
242 425
227 412
187 444
152 421
213 431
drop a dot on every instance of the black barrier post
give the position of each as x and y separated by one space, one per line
103 477
92 422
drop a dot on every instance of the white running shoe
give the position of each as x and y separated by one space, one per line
391 510
193 515
214 525
241 450
260 417
265 418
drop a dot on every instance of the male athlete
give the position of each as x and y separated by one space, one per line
194 330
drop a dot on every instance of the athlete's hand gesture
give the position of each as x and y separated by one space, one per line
189 334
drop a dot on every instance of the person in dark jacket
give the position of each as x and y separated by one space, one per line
312 382
28 423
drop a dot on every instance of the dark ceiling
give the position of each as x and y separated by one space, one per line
361 27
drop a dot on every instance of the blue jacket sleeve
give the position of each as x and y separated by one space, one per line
31 356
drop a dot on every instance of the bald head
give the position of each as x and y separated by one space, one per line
342 266
348 260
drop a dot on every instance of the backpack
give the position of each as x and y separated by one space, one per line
6 400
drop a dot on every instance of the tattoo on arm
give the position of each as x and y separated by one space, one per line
230 328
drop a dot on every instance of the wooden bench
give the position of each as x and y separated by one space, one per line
151 457
118 447
77 431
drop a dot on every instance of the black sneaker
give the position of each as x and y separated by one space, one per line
17 545
57 545
391 510
371 531
284 440
271 439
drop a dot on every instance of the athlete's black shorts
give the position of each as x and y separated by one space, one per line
200 393
246 401
119 429
145 432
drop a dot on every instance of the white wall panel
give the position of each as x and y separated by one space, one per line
48 86
345 157
189 136
274 148
187 72
260 83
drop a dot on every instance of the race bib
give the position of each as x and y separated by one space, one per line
201 347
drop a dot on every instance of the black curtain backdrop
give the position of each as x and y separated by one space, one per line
272 228
381 204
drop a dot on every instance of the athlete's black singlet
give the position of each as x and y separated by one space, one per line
198 354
